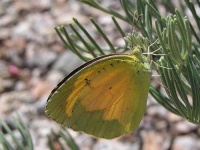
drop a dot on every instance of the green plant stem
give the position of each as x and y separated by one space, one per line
96 5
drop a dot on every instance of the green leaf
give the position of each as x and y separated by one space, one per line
24 143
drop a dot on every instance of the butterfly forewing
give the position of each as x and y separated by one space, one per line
106 98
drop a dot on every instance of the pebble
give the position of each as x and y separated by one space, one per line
57 47
54 77
6 85
68 58
173 117
184 127
4 69
157 110
20 86
112 145
41 88
21 6
7 20
186 143
154 141
18 44
40 128
4 33
36 56
22 29
13 101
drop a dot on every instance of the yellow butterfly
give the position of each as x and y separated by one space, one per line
105 97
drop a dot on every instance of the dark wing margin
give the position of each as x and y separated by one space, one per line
77 70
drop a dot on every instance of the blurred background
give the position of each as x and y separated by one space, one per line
33 60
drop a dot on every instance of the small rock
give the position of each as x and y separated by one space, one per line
43 5
12 101
186 143
54 77
4 70
18 44
67 62
42 24
13 56
62 19
38 56
161 125
6 85
41 88
155 141
22 29
113 145
19 86
157 110
40 128
7 20
57 47
105 20
25 75
4 33
3 6
173 117
40 105
20 6
120 42
183 127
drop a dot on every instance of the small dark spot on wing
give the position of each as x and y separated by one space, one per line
87 81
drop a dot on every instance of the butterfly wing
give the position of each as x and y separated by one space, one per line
106 98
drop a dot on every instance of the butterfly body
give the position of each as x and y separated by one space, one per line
105 97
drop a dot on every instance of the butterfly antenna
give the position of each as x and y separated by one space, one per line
148 51
157 65
152 53
163 85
